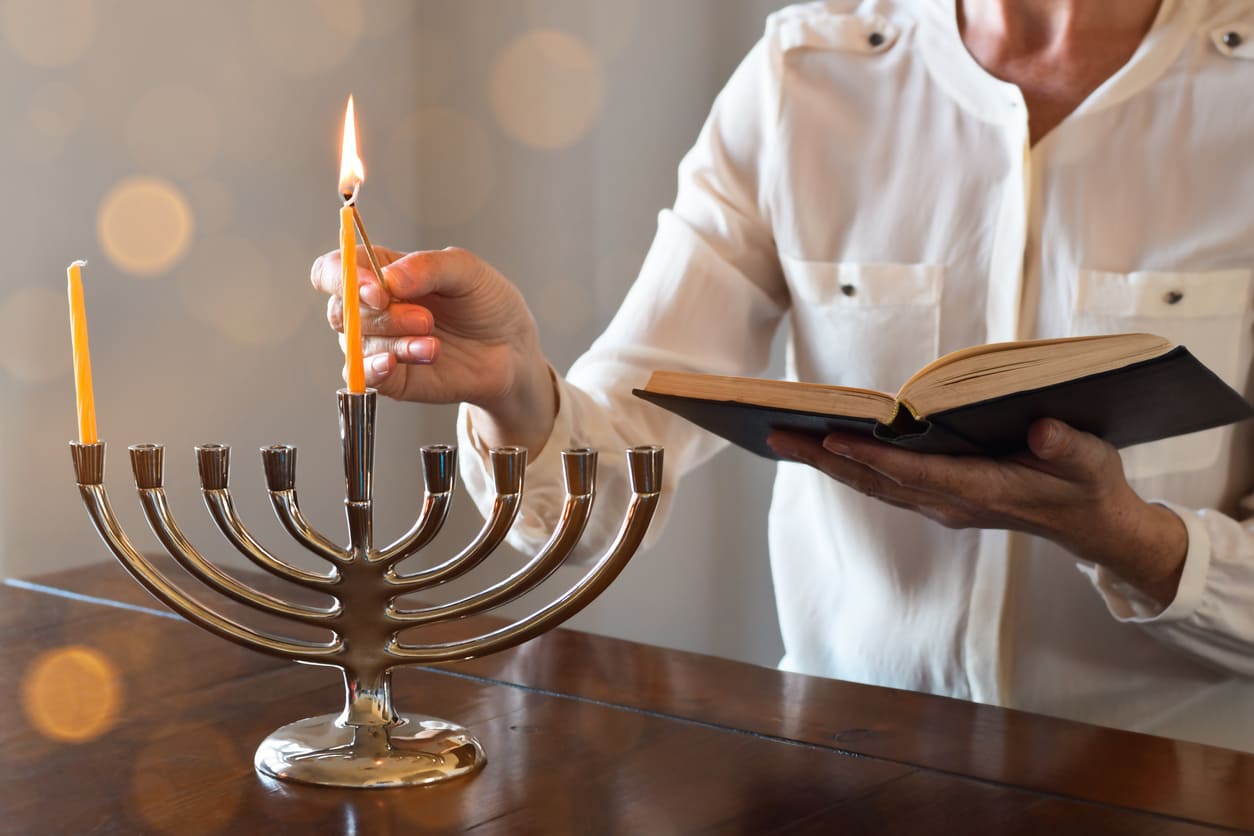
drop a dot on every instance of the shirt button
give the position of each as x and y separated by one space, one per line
876 39
1232 40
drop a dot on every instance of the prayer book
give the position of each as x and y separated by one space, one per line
1125 388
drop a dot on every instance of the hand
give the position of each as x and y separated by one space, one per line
1068 487
447 327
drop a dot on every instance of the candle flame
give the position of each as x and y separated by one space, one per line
352 172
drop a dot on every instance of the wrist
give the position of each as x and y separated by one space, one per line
1148 550
524 417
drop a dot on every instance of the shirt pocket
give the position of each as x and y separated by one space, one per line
866 325
1208 313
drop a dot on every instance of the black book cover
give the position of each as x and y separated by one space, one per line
1170 395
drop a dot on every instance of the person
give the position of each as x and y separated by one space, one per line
896 179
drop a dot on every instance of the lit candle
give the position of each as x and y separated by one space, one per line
82 356
352 303
351 175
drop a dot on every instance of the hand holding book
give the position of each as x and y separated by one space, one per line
1067 486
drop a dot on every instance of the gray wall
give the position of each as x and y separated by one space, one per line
189 151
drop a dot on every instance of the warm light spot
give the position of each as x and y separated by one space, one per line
607 27
235 287
445 168
546 89
173 130
71 694
34 335
49 33
144 225
169 770
305 37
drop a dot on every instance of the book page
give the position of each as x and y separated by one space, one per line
989 371
776 394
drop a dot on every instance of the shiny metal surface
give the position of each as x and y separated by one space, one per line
416 750
369 744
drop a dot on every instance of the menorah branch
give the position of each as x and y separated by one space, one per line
214 464
147 462
645 465
439 463
579 469
89 466
279 461
508 464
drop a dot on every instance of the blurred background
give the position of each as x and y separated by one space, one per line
189 152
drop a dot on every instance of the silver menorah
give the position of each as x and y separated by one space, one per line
369 743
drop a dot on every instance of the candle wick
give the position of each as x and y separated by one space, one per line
350 198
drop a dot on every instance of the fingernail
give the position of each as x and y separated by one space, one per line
836 446
416 322
379 363
373 296
420 350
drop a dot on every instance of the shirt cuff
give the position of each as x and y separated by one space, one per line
1128 604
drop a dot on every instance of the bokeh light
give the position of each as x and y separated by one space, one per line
34 334
607 27
173 130
72 694
305 37
49 33
453 164
547 89
144 225
232 285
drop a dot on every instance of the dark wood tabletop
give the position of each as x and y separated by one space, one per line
129 720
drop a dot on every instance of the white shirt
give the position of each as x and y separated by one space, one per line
877 196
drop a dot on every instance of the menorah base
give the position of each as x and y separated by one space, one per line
417 750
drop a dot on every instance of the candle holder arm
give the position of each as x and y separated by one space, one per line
279 461
214 461
507 469
222 509
439 463
89 467
645 466
579 467
146 460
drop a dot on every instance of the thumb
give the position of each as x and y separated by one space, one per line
449 272
1071 451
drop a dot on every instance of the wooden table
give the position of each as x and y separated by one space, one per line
584 734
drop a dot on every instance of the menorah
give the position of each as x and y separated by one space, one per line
369 743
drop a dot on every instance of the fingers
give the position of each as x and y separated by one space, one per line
1069 452
326 275
396 320
450 272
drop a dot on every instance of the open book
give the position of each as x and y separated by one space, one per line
1125 388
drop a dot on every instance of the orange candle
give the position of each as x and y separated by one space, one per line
352 173
82 356
352 303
